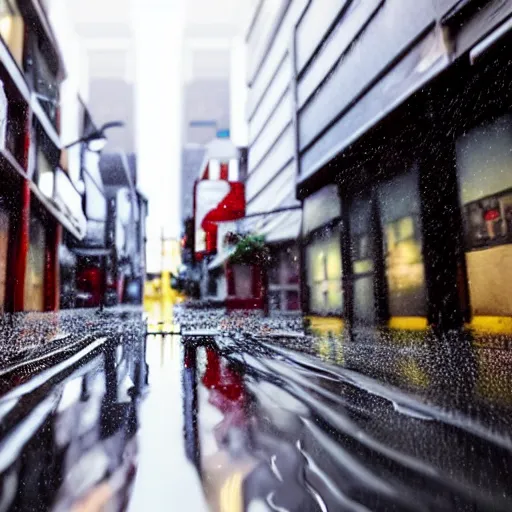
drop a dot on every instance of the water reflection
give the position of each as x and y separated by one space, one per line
273 429
68 434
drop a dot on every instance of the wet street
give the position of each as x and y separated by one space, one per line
200 410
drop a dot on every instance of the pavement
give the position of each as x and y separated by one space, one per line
199 409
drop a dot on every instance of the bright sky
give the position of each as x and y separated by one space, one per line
159 31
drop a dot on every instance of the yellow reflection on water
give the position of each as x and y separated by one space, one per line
159 302
231 498
320 325
412 373
329 334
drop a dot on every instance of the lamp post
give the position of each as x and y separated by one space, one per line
96 142
97 139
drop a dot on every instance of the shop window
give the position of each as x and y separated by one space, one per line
4 242
324 274
405 273
46 84
12 29
284 280
320 208
489 221
484 167
45 175
34 274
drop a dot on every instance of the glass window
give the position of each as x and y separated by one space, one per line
489 221
12 29
46 177
34 274
400 216
320 208
360 211
324 274
484 167
284 280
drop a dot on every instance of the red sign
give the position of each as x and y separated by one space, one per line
215 201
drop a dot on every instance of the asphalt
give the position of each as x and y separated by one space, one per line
200 410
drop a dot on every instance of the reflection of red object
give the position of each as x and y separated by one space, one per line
227 394
219 377
491 215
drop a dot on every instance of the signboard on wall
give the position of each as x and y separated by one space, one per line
215 201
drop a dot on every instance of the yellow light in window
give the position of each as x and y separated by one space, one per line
406 228
363 266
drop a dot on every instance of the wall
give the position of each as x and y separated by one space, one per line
270 107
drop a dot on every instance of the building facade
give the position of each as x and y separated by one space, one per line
40 201
401 143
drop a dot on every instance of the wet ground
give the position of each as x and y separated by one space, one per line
198 410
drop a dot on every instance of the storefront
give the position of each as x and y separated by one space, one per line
416 154
321 234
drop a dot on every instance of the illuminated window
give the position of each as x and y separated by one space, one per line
34 274
400 216
12 29
46 177
324 275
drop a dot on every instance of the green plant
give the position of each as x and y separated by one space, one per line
251 250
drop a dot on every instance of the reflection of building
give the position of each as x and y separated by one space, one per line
392 171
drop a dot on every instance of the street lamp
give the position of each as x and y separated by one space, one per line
97 140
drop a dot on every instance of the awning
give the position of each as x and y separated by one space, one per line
282 227
220 258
